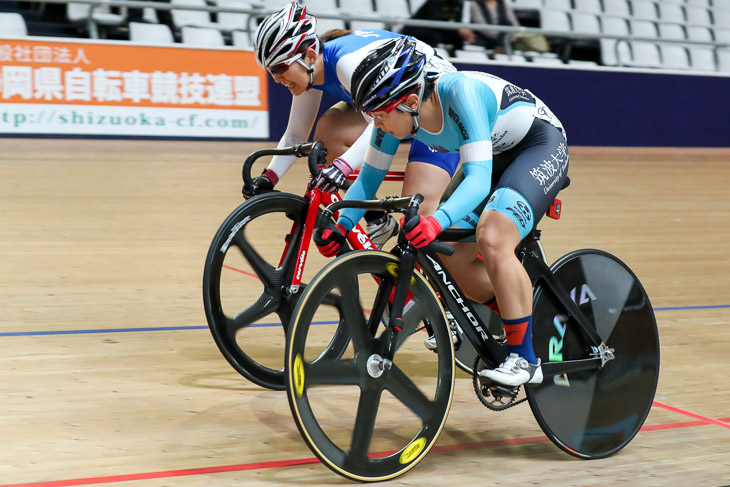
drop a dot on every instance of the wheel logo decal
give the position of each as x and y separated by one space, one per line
393 269
233 233
299 375
412 451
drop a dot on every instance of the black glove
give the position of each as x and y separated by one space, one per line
330 239
260 184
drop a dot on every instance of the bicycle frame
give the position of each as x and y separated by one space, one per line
490 350
357 238
316 152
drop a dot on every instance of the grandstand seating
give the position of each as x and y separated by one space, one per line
202 36
230 21
13 24
93 20
656 34
150 33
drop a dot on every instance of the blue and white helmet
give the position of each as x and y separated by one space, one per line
387 75
283 35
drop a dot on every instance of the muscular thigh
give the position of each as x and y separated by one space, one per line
536 172
340 126
428 180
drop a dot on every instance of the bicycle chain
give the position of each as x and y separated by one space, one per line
420 328
476 383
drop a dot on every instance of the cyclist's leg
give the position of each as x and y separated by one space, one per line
467 269
522 195
497 237
338 128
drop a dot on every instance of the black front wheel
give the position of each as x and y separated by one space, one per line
363 417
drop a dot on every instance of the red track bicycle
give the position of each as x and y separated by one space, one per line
243 252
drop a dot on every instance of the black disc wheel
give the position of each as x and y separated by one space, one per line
594 413
244 285
364 417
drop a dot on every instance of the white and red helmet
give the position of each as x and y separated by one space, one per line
283 36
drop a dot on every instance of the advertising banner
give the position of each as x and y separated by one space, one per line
92 88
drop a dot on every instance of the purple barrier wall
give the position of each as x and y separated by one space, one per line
605 108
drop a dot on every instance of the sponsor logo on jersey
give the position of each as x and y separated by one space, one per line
549 171
513 94
455 117
521 213
379 138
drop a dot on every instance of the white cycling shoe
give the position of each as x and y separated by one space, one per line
515 371
430 342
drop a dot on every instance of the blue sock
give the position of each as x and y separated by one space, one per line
519 337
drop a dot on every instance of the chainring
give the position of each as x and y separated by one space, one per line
494 396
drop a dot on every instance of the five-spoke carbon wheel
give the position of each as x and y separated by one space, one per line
364 417
244 285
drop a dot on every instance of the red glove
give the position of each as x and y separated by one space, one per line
421 231
329 241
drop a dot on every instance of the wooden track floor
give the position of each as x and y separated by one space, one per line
111 377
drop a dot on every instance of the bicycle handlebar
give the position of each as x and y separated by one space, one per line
390 204
315 150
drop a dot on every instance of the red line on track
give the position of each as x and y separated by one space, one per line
704 419
724 422
239 270
168 474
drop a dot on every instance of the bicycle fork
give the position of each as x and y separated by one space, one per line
382 359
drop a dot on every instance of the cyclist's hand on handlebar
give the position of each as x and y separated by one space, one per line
421 230
331 178
261 184
330 239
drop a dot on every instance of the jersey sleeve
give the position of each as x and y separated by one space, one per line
302 115
355 154
378 158
382 149
474 122
364 188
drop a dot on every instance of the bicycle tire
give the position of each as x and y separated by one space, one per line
362 426
595 413
234 317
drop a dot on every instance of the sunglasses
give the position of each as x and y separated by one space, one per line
387 108
282 68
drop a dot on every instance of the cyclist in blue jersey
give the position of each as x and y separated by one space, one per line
514 157
286 44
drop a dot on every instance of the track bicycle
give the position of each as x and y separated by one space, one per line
242 253
239 254
375 411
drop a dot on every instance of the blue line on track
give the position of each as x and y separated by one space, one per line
184 328
125 330
679 308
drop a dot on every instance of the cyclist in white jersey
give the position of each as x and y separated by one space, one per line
287 46
514 157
